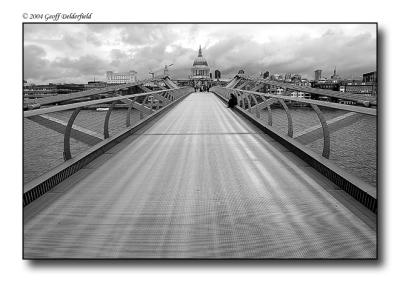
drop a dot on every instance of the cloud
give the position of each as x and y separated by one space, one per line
301 54
74 53
35 63
38 68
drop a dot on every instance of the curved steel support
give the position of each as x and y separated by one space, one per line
107 120
67 134
269 115
141 114
243 100
128 114
240 99
152 103
255 105
165 95
158 103
289 117
325 131
248 103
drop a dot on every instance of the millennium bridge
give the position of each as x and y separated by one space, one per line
152 169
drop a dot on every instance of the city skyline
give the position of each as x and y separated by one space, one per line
75 53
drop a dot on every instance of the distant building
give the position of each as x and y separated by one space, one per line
296 78
200 72
305 82
40 90
335 76
121 77
359 87
166 71
52 89
69 88
26 83
278 77
329 85
95 85
370 77
217 75
317 75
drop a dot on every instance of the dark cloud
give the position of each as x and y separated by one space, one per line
85 65
38 68
35 64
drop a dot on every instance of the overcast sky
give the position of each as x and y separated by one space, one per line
78 52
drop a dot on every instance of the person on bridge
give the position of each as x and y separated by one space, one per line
232 101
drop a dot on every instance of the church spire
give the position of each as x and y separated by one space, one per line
200 54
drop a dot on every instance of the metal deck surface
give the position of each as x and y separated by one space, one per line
199 183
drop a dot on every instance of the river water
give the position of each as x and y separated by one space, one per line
353 147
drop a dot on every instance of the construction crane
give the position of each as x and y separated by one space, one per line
165 68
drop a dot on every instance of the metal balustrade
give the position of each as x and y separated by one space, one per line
242 81
35 103
147 104
252 102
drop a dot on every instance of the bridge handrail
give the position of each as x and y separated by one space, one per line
357 109
31 113
362 99
91 92
247 98
149 110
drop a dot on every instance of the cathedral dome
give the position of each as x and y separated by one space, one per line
200 72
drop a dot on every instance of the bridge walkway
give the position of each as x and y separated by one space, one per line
201 183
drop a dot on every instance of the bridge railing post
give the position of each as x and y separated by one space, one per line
325 131
152 102
244 98
67 134
256 105
243 101
289 117
128 114
240 98
269 112
248 103
107 120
